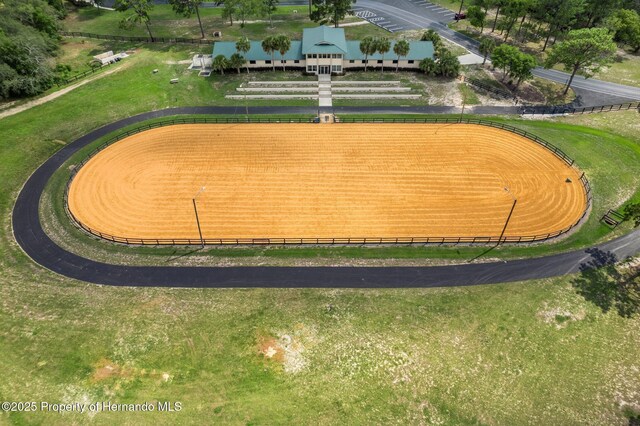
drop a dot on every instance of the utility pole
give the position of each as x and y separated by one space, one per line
195 209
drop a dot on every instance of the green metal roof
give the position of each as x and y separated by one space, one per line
228 48
323 39
418 50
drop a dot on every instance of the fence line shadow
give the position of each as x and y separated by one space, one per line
180 256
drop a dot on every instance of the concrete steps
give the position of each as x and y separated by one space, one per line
286 83
267 96
377 96
371 89
324 90
366 82
277 89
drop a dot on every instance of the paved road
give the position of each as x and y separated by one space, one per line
399 15
407 14
392 15
37 244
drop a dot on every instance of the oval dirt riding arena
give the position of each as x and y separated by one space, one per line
326 181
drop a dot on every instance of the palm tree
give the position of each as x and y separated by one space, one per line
428 66
269 45
367 44
236 61
219 63
486 47
383 45
282 44
243 45
401 48
448 65
433 37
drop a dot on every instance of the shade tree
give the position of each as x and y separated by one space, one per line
585 50
140 9
187 8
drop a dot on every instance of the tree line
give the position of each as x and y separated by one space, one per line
548 20
140 9
322 12
586 32
585 50
28 41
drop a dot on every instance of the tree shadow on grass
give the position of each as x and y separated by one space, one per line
609 285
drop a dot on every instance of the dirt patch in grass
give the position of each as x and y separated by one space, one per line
288 349
106 369
560 317
270 349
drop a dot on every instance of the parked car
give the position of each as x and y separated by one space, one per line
459 16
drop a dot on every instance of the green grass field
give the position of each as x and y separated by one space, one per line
521 353
624 70
142 84
165 23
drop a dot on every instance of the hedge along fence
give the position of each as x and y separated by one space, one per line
318 241
174 40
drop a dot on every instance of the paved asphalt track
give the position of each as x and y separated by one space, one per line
37 244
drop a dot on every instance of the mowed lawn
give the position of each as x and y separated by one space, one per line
521 353
136 81
165 23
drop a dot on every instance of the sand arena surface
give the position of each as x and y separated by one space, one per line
325 181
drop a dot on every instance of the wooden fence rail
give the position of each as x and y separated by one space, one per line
322 241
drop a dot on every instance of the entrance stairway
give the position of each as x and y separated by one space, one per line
324 90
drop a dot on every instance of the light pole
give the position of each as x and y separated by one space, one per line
195 209
508 217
